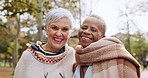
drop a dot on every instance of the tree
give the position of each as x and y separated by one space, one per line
138 44
128 14
14 9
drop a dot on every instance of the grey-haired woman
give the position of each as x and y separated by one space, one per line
54 58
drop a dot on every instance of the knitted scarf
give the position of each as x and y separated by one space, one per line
109 59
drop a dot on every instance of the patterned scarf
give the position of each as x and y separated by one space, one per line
109 59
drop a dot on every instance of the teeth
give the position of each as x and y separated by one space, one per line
86 38
57 39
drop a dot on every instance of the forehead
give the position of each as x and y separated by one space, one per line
92 21
63 20
60 23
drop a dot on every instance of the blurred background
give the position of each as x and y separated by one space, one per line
22 23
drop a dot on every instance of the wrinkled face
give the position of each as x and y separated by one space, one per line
58 33
90 31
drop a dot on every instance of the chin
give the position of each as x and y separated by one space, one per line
59 45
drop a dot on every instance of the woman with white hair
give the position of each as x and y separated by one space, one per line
54 58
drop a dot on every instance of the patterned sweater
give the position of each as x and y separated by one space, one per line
37 63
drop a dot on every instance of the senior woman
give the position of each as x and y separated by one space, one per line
100 56
54 58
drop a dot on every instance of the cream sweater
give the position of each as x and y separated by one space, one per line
30 67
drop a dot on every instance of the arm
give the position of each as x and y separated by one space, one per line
21 66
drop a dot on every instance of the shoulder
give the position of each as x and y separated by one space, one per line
70 54
26 52
26 55
71 49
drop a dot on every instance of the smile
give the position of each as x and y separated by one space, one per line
58 40
86 39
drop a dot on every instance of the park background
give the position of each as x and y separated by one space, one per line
22 22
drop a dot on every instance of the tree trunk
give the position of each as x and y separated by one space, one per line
40 21
15 54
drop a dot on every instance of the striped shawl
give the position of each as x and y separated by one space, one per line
109 59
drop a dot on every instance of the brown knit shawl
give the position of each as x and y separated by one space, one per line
109 59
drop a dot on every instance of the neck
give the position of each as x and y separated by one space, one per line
46 47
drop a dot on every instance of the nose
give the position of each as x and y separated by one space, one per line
59 33
87 31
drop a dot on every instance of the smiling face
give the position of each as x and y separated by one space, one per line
90 31
58 34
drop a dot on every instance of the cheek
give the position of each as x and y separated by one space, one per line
79 33
50 33
97 36
67 35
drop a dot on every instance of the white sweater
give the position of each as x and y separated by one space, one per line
29 67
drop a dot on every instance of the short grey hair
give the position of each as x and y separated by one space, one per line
56 14
102 21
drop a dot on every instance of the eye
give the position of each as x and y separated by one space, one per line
93 29
84 27
54 27
65 29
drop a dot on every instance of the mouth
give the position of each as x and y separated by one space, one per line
58 40
86 39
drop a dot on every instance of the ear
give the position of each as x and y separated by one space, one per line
46 29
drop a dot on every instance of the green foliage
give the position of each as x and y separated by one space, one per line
73 42
15 7
3 46
10 49
68 4
138 43
4 33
